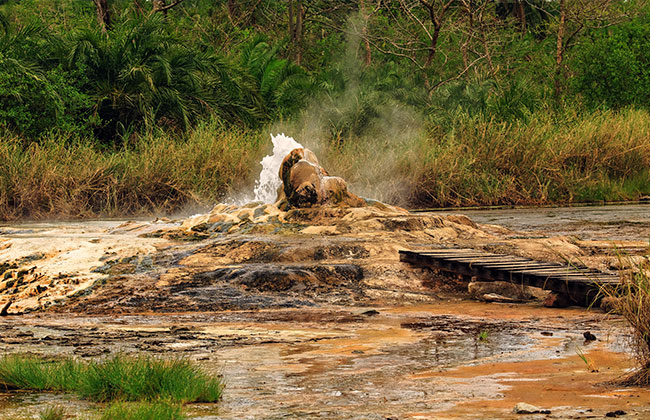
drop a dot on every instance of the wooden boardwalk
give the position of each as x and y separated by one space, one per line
579 283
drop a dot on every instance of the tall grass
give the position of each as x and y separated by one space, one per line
18 372
473 160
633 303
582 157
158 172
119 378
52 413
142 411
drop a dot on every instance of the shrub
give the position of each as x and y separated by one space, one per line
614 70
35 103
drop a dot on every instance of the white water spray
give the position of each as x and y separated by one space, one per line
266 187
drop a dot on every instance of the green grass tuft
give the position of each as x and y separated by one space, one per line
117 378
19 372
52 413
143 411
145 378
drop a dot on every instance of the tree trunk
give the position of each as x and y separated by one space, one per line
470 30
437 25
521 15
103 15
559 52
364 33
292 31
296 23
433 45
486 46
300 15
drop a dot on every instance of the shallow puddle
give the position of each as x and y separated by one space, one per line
448 360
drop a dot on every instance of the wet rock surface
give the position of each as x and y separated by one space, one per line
426 361
254 257
306 310
250 257
272 302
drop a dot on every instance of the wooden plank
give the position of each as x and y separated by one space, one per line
555 273
455 255
569 270
452 251
506 266
447 256
549 271
584 279
456 250
487 259
579 282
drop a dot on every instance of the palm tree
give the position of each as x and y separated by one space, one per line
140 74
281 84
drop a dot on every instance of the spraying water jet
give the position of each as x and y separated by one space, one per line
292 177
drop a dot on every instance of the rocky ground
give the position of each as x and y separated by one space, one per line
309 313
447 360
255 257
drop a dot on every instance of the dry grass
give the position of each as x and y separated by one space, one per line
631 299
64 178
600 156
634 305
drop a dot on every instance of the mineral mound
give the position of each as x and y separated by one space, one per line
317 244
305 183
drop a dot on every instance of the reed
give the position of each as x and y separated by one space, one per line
473 160
600 156
633 303
631 299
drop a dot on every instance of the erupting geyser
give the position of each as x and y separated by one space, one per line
266 187
292 177
292 186
306 183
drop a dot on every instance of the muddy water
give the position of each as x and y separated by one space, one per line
347 363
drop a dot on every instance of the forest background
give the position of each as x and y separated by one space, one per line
127 107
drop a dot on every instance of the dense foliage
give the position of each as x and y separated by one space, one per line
111 75
614 66
250 62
